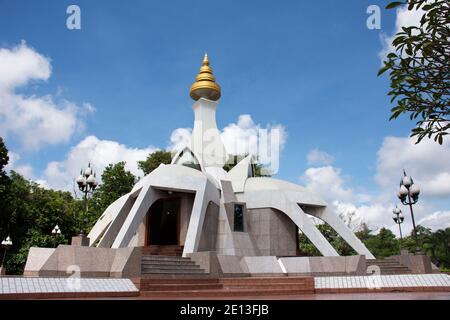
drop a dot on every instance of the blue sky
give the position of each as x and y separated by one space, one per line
309 66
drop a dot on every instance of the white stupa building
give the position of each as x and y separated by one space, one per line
194 205
207 220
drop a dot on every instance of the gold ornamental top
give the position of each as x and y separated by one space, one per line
205 85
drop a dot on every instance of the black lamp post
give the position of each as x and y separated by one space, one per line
409 195
398 219
56 232
86 183
6 244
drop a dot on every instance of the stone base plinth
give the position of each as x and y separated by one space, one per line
91 262
81 241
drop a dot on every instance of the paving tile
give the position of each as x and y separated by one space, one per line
44 286
384 281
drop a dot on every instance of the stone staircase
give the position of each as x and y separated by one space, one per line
388 266
226 287
157 266
267 286
177 287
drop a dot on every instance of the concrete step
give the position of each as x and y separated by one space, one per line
179 281
381 261
395 271
167 261
265 280
270 286
170 267
175 260
150 251
175 276
163 258
166 265
152 247
272 283
172 271
384 264
226 293
227 287
388 266
181 287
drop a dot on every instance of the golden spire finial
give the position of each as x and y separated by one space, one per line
205 85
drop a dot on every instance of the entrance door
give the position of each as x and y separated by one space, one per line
162 224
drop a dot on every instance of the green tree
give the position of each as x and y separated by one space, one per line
4 186
336 241
32 213
116 182
439 248
364 233
4 158
154 160
384 244
420 70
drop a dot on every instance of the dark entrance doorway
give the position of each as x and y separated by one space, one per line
163 222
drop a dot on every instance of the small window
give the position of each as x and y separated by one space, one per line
238 217
188 159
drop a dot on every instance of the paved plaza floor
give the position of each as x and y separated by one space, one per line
397 287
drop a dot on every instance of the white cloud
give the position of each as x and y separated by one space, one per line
24 169
436 220
374 214
317 157
242 137
179 139
404 18
427 162
328 182
20 65
100 153
34 120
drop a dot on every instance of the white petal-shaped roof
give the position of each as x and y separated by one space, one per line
293 191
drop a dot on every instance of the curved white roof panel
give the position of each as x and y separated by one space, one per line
292 191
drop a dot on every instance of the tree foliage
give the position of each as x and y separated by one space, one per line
384 244
116 182
28 212
154 160
30 215
4 184
336 241
419 70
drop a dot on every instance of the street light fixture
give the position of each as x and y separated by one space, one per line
86 183
398 219
56 232
6 244
409 195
